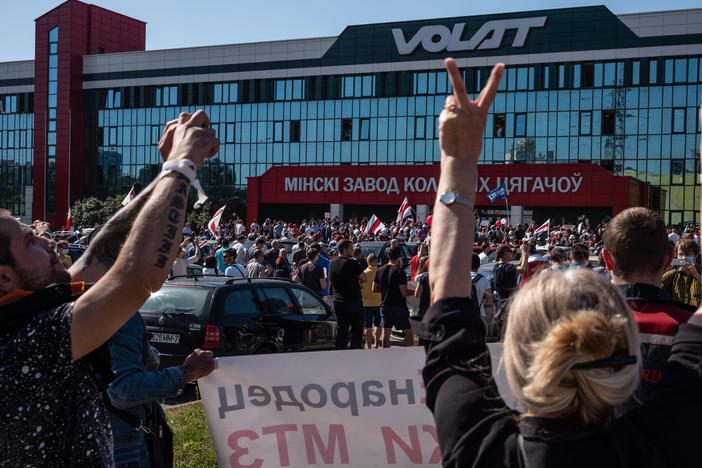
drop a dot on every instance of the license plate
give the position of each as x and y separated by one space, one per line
165 338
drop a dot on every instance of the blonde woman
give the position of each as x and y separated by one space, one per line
571 348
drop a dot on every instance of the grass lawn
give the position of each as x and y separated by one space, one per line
192 445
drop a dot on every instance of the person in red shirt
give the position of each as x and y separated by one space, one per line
414 262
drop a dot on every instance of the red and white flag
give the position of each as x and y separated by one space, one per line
374 225
203 243
543 227
129 197
405 211
69 220
214 222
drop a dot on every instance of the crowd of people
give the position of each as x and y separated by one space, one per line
605 361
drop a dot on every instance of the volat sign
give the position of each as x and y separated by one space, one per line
437 38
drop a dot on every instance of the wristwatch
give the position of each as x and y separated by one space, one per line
450 197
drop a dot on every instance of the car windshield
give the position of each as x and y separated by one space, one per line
176 301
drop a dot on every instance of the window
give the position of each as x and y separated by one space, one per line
544 76
677 171
635 72
561 76
346 129
520 125
239 302
289 90
679 120
166 96
295 131
176 300
358 86
226 93
276 301
586 123
419 128
608 122
50 199
278 131
653 71
365 129
309 303
498 126
587 75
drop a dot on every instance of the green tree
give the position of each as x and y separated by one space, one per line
91 211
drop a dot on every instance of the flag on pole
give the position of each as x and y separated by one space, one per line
214 222
405 211
543 227
69 220
129 197
499 193
374 225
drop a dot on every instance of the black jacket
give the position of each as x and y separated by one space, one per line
476 429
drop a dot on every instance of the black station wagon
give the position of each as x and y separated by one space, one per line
236 316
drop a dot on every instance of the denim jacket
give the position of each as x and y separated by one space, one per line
138 382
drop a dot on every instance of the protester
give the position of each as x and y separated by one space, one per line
256 268
234 269
570 353
579 256
180 266
682 283
137 386
557 259
504 276
242 257
391 281
64 258
372 325
481 286
346 276
282 265
310 274
210 266
423 251
219 253
637 252
52 378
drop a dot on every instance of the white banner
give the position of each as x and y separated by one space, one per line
362 408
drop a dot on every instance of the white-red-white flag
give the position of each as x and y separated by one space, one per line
203 243
544 227
69 220
214 222
129 197
405 211
374 225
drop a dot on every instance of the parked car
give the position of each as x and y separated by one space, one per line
236 316
380 247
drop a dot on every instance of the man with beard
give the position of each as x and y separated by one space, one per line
54 368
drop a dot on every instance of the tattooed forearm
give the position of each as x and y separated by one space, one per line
176 211
107 241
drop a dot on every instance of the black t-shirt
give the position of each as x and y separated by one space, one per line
343 274
51 406
310 274
390 278
505 279
270 256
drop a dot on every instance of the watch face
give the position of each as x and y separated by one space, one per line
448 198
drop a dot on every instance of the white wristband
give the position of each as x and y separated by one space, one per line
187 168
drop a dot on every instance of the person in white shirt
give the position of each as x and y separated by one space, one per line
180 265
483 291
484 255
674 236
240 228
242 256
234 269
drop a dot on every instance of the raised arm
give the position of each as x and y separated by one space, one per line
151 245
108 240
461 127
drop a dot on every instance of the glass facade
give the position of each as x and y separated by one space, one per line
51 124
16 151
634 117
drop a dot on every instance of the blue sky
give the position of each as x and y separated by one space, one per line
180 23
